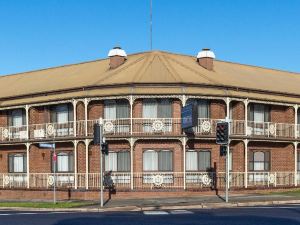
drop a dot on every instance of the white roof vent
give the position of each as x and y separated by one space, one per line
206 53
117 51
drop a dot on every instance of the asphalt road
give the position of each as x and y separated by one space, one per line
288 214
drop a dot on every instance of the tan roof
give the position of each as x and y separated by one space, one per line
149 72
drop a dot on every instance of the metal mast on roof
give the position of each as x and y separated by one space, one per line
151 25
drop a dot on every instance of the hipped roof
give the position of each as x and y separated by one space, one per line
153 72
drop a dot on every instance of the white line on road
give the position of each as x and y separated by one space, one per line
179 211
152 213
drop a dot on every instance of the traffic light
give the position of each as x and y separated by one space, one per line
223 150
104 148
97 134
222 133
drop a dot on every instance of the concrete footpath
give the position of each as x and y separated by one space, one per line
198 202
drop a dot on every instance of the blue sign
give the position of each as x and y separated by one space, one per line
189 116
47 145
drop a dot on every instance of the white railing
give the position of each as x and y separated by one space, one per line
207 126
269 129
13 133
156 126
237 127
149 180
51 130
111 126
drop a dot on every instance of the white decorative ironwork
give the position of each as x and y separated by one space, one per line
158 125
6 180
50 180
272 178
158 180
50 129
206 180
272 129
206 126
108 126
5 133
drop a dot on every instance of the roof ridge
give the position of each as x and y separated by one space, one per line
170 69
137 76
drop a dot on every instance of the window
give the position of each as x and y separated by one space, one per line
158 160
259 113
157 108
17 163
203 107
65 162
117 161
116 109
16 118
61 113
259 161
198 160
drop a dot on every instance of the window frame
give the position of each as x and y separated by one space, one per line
158 103
24 156
252 162
198 157
157 152
68 153
118 152
54 112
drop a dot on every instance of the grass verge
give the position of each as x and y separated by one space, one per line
295 193
45 204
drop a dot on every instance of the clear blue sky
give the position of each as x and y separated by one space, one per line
36 34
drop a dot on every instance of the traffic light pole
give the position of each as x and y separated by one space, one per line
227 173
101 162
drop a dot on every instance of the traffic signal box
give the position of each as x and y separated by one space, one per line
98 139
222 133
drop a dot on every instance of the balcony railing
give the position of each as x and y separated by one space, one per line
148 180
145 127
51 130
271 130
13 133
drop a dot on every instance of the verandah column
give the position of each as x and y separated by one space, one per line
87 164
74 102
75 164
27 164
86 102
246 163
246 115
296 121
295 162
131 163
184 162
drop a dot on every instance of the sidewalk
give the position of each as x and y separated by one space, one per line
237 200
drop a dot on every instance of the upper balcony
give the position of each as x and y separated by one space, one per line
141 127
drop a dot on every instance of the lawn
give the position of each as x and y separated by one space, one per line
295 193
46 204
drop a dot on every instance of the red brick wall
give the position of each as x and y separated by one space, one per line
217 109
281 155
95 110
238 110
282 114
3 118
81 155
80 111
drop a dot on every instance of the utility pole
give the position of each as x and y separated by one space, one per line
151 25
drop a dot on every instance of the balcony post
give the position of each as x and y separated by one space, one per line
228 100
246 116
86 102
131 114
86 164
246 163
74 102
27 120
27 164
296 169
131 162
75 164
296 121
184 161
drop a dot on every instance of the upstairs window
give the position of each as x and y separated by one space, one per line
203 106
298 161
259 113
61 113
17 163
157 108
16 118
116 109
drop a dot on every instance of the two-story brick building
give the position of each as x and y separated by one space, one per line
140 97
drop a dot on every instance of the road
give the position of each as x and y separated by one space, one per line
288 214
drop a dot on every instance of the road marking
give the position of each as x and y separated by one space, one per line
152 213
181 211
